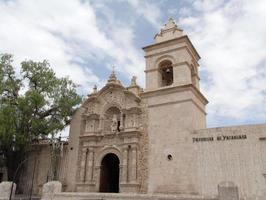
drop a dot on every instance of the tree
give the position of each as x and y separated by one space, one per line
34 104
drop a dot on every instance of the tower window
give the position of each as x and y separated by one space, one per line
166 71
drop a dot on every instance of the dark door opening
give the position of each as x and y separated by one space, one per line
109 178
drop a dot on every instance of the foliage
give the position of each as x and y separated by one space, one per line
33 104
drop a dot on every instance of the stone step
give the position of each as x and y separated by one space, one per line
120 196
26 197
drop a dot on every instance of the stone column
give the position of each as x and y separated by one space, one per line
124 165
133 177
121 122
90 164
134 120
82 165
96 177
100 124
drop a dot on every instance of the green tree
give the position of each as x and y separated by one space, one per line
33 104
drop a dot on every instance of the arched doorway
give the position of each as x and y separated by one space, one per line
109 177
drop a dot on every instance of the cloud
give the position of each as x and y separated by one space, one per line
230 37
67 33
83 39
148 10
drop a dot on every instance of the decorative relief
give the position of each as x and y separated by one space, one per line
91 125
114 97
90 108
133 118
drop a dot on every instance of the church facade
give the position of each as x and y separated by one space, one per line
155 140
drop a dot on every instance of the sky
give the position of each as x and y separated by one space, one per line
83 39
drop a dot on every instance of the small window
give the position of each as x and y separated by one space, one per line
166 70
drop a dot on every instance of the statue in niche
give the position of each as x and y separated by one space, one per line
114 124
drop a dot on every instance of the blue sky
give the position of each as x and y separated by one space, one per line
83 39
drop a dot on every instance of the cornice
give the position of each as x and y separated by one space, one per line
160 44
172 89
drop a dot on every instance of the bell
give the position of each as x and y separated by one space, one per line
168 70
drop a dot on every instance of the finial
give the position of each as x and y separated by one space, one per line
94 89
112 77
133 81
113 69
168 32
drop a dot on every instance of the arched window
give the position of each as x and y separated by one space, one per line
166 71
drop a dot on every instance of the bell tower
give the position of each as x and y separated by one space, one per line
176 108
172 60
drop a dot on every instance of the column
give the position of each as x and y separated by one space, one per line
82 165
133 177
90 164
134 120
100 124
124 165
121 122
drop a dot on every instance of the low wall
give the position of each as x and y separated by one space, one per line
231 154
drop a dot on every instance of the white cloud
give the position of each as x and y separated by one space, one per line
66 33
231 40
148 10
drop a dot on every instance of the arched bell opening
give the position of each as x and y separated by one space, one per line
109 175
166 71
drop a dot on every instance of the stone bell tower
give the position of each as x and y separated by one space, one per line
176 108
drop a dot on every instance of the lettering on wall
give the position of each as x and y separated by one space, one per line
219 138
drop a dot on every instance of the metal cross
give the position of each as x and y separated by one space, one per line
113 68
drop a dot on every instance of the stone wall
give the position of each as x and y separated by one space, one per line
42 155
231 154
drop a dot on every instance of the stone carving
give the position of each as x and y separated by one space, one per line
114 97
90 125
50 188
5 189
